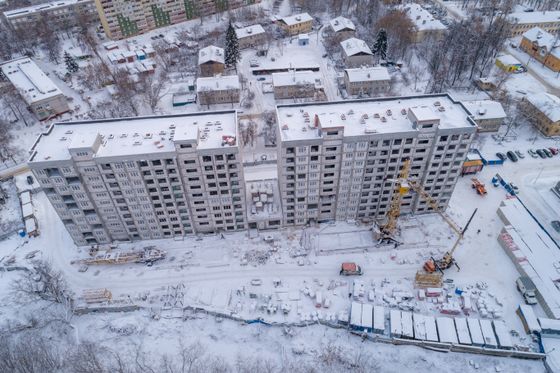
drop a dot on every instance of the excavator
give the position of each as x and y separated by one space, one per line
388 229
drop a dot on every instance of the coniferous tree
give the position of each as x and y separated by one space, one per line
71 64
232 47
380 46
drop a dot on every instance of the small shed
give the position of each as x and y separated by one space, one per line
303 39
183 98
356 315
396 326
419 327
509 64
528 318
31 227
463 331
367 317
446 330
502 332
476 333
407 325
27 210
488 334
472 164
379 319
431 329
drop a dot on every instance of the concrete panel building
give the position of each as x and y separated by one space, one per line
296 84
143 178
356 53
296 24
542 46
218 90
522 22
335 159
63 13
211 61
489 115
251 36
367 81
124 18
544 110
42 96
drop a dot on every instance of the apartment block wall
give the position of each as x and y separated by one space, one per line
57 16
218 96
366 87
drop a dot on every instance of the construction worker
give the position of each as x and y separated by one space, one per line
478 231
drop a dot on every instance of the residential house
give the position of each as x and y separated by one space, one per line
544 109
296 84
296 24
489 115
425 23
342 28
218 90
356 53
251 36
367 81
211 61
542 46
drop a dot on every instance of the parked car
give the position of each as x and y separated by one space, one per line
511 155
501 156
261 78
548 153
556 225
533 153
519 154
350 269
554 151
541 153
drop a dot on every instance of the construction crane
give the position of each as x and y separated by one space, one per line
388 229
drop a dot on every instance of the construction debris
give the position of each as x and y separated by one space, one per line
97 296
148 254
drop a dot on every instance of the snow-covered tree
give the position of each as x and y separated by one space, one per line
71 64
232 47
380 45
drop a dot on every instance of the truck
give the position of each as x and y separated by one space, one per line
350 269
528 289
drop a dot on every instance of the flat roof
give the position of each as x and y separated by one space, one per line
292 78
30 81
14 13
508 59
217 83
136 136
368 74
535 17
485 109
355 46
342 24
249 30
371 116
211 53
422 18
296 19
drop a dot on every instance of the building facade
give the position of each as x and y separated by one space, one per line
425 23
40 93
64 13
143 178
368 81
296 24
542 46
543 109
522 22
296 84
251 36
211 61
124 18
218 90
336 159
342 28
356 53
489 115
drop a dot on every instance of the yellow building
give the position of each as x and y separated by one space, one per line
296 24
541 45
509 64
522 22
544 110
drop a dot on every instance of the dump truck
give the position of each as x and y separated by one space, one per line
350 269
528 289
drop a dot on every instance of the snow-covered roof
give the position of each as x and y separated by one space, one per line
543 39
125 137
43 7
508 59
217 83
485 109
295 78
211 54
342 24
535 17
354 46
249 31
548 104
372 116
368 74
421 18
29 80
297 19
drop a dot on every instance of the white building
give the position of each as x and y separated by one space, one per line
336 159
489 115
251 36
62 13
524 21
218 90
296 84
356 53
44 98
367 81
143 178
426 24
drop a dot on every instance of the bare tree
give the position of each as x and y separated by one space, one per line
153 89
